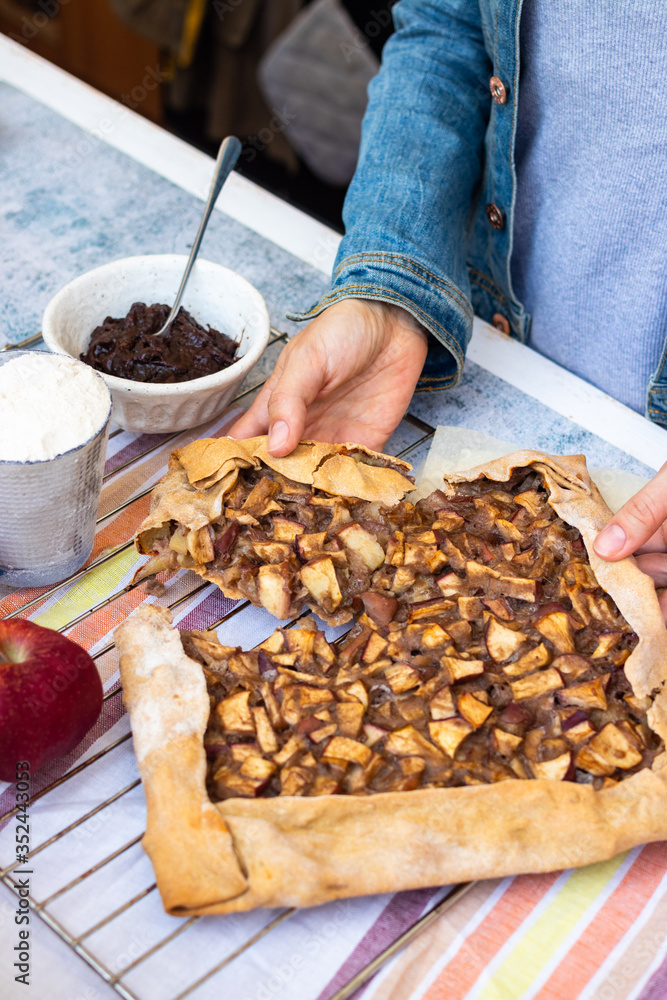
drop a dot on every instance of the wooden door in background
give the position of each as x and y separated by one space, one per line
86 38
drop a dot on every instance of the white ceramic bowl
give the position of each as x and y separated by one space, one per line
215 296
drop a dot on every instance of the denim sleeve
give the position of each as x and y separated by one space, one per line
421 159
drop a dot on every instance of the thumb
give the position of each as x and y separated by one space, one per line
636 521
297 387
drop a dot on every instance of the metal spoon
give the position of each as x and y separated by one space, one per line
228 154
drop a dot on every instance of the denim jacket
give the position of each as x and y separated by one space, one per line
429 214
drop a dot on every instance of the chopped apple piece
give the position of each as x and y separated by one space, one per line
532 660
448 520
266 736
324 650
294 745
319 577
457 668
613 746
323 733
556 627
588 760
293 780
396 550
519 587
401 677
552 770
349 653
506 743
357 692
434 636
580 733
429 609
500 608
271 704
285 530
418 554
234 713
299 699
178 541
272 552
324 784
589 695
472 710
343 748
241 751
231 784
374 649
638 704
450 584
309 546
519 768
366 546
411 708
606 643
409 742
273 589
449 733
501 641
508 531
531 501
200 545
373 734
480 576
302 642
275 643
441 704
412 765
404 577
470 608
460 631
258 767
436 561
571 665
350 716
536 684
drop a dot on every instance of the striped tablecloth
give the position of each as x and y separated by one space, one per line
598 932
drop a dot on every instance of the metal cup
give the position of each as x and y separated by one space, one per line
48 510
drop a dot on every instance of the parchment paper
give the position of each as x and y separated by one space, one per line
455 449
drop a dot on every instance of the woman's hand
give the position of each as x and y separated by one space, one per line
348 376
640 527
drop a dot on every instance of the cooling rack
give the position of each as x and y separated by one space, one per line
88 942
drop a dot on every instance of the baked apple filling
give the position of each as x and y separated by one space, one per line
484 650
280 544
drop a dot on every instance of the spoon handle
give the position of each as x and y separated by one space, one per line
228 154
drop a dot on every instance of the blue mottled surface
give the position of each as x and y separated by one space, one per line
69 203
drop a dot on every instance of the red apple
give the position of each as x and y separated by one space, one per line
50 695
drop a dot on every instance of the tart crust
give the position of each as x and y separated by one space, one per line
291 851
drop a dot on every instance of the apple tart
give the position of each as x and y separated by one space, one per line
498 707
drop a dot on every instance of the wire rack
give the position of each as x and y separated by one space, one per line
83 942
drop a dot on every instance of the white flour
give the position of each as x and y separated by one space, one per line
49 403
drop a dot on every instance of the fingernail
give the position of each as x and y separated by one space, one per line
610 541
278 434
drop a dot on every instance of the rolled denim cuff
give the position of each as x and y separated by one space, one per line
439 305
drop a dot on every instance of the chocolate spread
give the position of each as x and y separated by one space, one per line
126 348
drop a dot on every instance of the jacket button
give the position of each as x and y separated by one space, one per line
501 323
495 216
498 90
